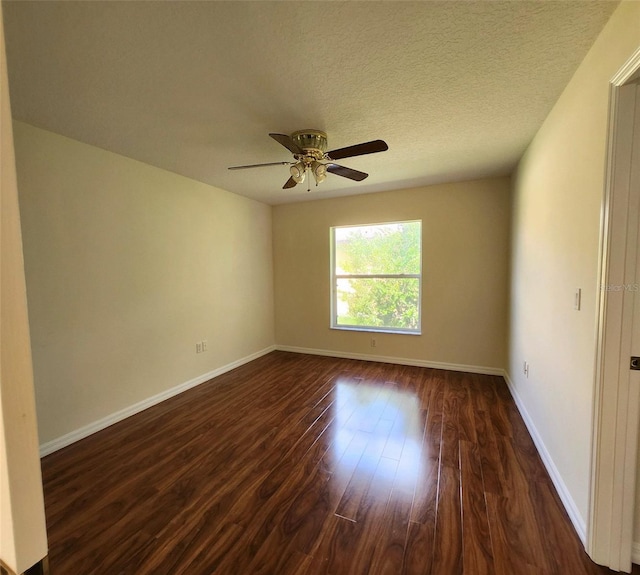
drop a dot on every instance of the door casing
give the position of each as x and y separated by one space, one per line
616 397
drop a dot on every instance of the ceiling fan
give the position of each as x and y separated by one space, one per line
309 152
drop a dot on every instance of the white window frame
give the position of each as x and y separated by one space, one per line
335 277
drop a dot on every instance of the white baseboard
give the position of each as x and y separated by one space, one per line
78 434
397 360
635 552
570 506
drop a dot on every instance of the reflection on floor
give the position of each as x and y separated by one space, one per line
378 436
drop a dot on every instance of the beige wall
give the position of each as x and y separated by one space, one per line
465 235
23 538
558 191
127 267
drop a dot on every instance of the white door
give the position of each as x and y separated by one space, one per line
632 291
613 538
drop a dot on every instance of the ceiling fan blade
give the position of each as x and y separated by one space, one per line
346 172
259 165
288 143
358 150
290 183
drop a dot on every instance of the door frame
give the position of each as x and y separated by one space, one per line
616 410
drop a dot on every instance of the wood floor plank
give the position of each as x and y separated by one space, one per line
450 455
210 552
492 474
308 512
493 404
556 531
515 535
477 550
419 549
364 472
279 560
433 433
388 554
199 552
425 501
334 553
435 471
466 419
447 556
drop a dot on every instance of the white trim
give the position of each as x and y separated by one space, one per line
396 331
635 553
78 434
570 506
396 360
613 452
628 70
376 276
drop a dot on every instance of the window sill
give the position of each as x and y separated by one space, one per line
375 330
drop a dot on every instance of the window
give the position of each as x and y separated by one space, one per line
376 277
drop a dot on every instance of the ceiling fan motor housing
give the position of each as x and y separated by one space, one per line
313 142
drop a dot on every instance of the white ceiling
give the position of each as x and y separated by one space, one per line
457 89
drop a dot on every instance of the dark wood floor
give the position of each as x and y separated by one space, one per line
302 465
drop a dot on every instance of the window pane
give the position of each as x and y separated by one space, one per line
378 302
379 249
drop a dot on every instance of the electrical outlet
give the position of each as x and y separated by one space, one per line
577 299
204 345
525 369
199 347
374 343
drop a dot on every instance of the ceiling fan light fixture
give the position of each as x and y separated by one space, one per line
319 172
298 172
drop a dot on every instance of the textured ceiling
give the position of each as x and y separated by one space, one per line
457 89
